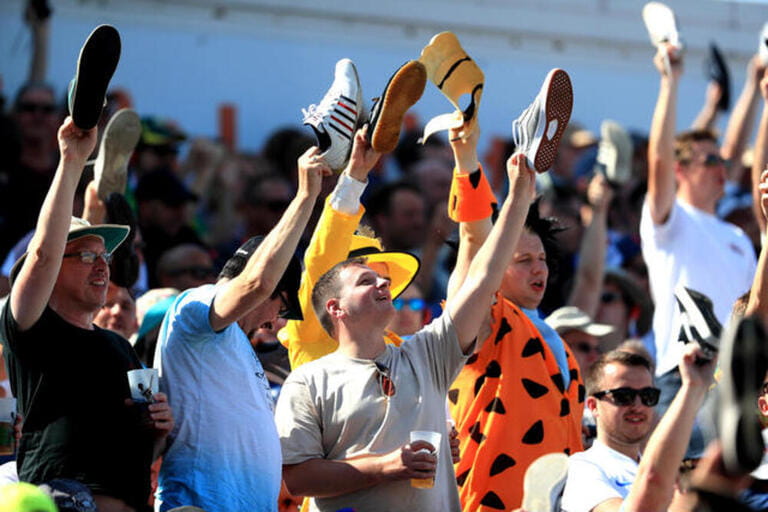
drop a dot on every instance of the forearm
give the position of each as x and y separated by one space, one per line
38 65
706 118
654 485
758 165
661 178
324 478
758 295
740 122
589 272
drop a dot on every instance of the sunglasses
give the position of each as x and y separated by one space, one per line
585 348
413 304
713 160
89 257
196 272
385 380
30 108
608 297
626 396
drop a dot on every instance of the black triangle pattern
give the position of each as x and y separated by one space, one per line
574 373
534 389
493 369
533 347
582 393
453 396
504 329
567 451
535 434
479 384
460 479
501 463
496 406
557 379
492 500
471 359
565 407
474 178
476 434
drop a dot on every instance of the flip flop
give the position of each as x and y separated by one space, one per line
95 66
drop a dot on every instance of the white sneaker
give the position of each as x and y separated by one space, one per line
538 130
662 27
698 322
763 45
110 169
544 482
335 119
614 153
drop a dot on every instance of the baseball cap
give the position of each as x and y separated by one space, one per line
571 318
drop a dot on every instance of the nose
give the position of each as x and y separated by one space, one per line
540 267
382 283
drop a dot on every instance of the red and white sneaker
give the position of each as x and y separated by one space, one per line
335 119
538 130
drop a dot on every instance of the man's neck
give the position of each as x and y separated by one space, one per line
368 345
631 450
699 204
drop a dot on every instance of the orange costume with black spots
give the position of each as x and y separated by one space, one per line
509 402
511 407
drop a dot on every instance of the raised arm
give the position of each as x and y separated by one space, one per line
470 305
758 295
742 118
589 272
708 113
654 485
760 160
34 283
258 280
472 233
661 161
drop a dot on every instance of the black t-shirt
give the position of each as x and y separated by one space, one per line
71 387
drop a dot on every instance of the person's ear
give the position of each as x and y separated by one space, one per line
591 403
762 404
333 308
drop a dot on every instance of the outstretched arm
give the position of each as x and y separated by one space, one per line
258 280
589 274
760 160
470 305
661 162
708 113
654 485
33 286
742 118
758 295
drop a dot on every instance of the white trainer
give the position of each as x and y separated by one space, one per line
544 482
614 153
763 45
335 119
538 130
662 27
110 169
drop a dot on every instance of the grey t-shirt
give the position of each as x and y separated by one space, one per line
334 408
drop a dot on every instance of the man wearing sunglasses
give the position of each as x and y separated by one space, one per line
622 397
683 242
226 453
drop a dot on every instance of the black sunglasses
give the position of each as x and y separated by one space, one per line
585 348
385 380
626 396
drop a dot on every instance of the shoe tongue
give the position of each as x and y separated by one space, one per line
323 139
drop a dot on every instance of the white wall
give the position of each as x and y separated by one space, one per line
181 58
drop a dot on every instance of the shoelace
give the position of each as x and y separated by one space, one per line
319 111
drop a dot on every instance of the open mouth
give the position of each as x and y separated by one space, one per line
538 286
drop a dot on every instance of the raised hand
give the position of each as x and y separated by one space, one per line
76 145
363 157
312 168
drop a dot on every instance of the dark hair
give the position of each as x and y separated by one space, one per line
545 228
380 200
329 286
595 373
32 86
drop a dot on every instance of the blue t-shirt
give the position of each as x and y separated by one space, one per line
225 453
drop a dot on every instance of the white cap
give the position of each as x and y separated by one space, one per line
570 318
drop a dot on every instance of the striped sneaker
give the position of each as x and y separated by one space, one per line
538 130
335 119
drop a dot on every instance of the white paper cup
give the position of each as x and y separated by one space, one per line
432 438
143 383
7 420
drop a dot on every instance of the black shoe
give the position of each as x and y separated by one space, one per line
744 363
698 322
717 70
95 66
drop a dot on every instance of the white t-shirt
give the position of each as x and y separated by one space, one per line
225 453
334 408
597 475
703 253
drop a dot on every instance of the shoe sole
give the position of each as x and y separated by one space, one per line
544 481
619 170
120 138
95 66
557 109
403 90
744 365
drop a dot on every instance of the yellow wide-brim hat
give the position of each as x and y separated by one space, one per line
402 266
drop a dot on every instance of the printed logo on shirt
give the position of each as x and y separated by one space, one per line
735 248
620 482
